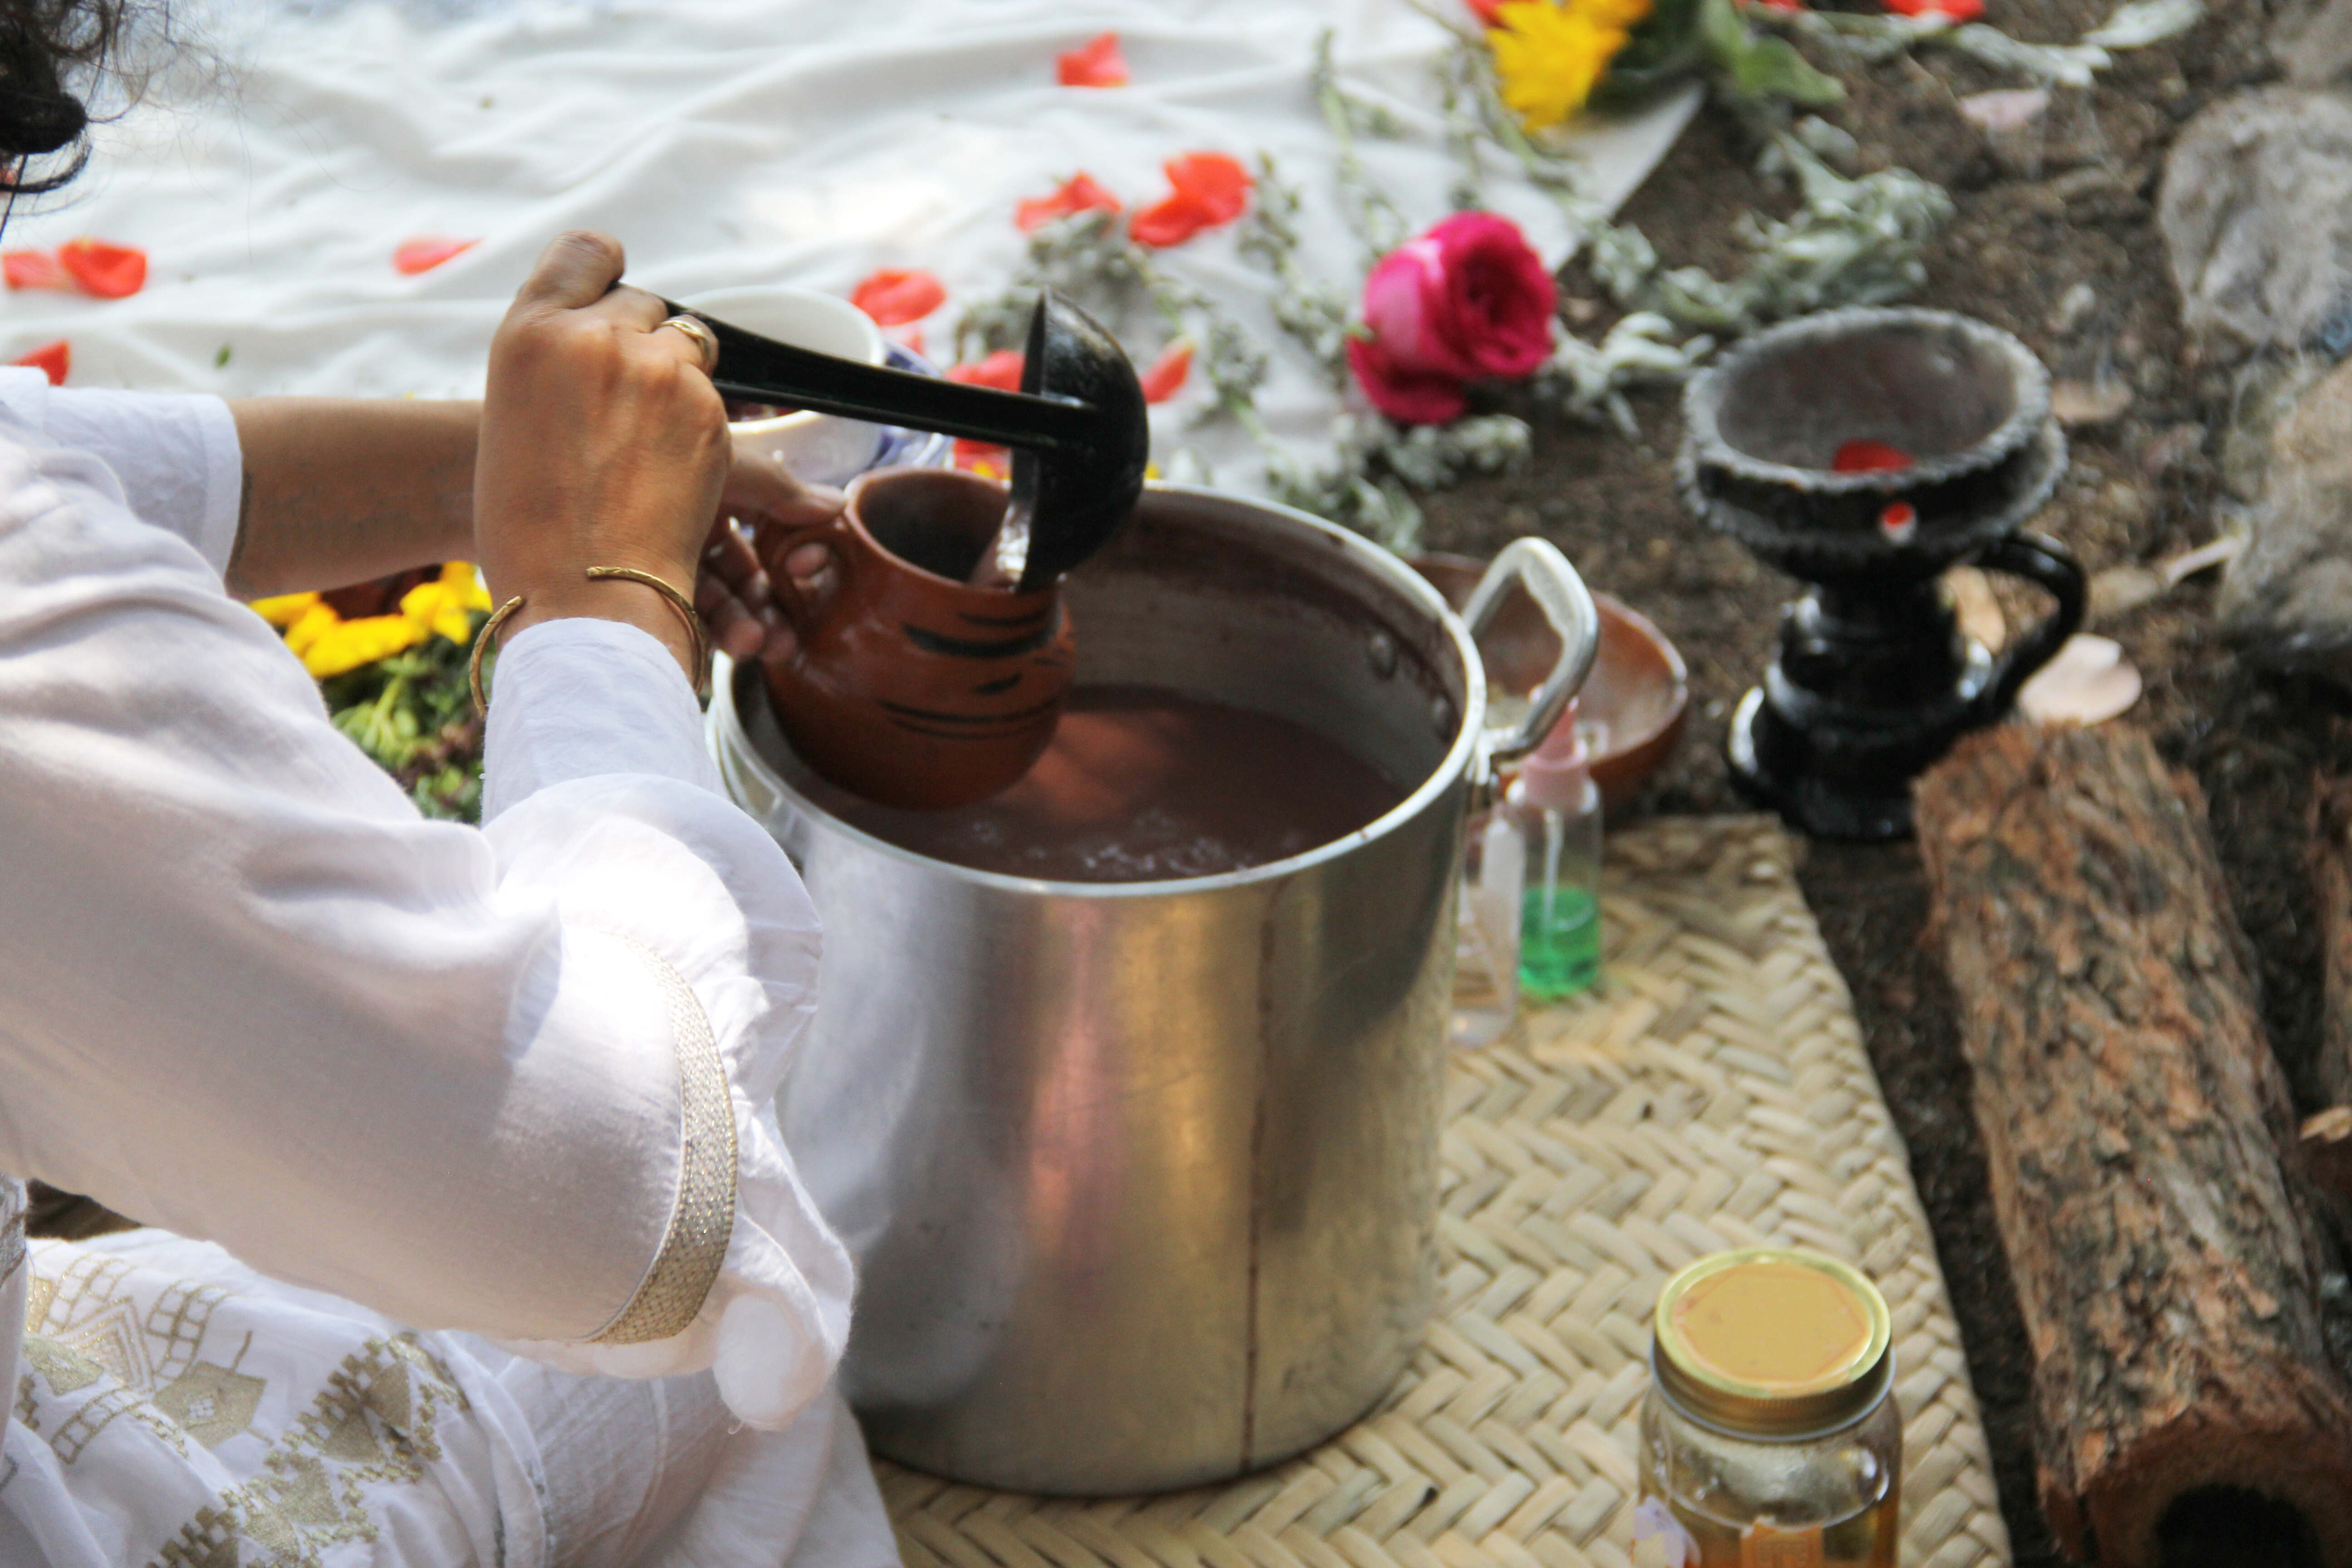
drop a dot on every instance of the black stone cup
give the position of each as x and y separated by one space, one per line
1874 680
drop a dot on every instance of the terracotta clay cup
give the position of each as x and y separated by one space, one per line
909 686
1634 703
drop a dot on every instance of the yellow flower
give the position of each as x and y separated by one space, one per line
442 606
328 645
285 609
1548 55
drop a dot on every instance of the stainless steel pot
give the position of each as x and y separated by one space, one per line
1143 1176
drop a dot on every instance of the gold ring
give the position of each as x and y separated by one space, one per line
703 339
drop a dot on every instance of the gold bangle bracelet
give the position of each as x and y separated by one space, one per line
677 601
474 664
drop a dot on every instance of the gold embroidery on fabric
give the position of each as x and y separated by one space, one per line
703 1221
374 1424
81 1325
13 1202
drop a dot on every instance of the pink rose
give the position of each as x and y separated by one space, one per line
1469 300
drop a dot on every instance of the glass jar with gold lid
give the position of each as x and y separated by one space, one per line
1770 1438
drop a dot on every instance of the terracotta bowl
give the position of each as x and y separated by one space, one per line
1634 704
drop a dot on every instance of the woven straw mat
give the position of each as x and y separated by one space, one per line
1714 1095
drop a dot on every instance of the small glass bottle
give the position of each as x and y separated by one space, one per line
1771 1438
1554 808
1487 934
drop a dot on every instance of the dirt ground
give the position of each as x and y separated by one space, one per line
2074 203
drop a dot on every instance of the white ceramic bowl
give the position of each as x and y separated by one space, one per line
820 448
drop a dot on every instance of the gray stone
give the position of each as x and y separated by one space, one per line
2257 214
2313 44
2287 601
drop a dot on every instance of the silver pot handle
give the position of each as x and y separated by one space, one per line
1561 595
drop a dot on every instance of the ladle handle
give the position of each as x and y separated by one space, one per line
754 369
2045 562
1560 594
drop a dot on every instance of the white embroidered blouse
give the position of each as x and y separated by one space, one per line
514 1080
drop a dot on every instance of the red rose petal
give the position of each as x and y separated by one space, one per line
1956 10
1869 458
34 269
1172 220
1407 396
423 254
1095 63
1168 373
1219 184
1210 189
980 457
106 271
894 298
53 360
1001 370
1080 193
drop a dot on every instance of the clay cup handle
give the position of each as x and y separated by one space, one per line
832 533
2043 561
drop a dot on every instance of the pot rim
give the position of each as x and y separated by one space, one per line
1703 402
725 732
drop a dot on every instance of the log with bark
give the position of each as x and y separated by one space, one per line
2327 1136
2135 1119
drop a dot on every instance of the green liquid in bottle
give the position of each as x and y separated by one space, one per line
1560 942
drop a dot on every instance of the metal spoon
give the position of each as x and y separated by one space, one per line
1077 428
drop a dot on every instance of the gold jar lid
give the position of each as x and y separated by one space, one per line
1772 1341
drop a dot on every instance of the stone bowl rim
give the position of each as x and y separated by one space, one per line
1810 553
1703 400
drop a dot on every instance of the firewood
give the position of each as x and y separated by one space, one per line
2327 1136
2135 1120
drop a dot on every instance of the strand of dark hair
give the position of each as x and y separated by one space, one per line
47 48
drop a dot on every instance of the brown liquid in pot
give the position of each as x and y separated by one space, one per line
1141 784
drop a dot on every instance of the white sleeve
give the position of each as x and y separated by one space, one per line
176 454
514 1080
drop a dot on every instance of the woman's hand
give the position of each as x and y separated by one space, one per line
737 593
603 444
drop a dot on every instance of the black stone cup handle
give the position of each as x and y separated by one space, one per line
2045 562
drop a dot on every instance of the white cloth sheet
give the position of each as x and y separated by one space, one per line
254 998
727 143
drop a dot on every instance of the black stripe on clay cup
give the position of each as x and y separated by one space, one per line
1874 680
909 686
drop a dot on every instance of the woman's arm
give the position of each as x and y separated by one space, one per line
342 489
514 1079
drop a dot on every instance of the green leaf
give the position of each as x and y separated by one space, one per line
1757 66
220 360
1724 30
1771 68
1666 47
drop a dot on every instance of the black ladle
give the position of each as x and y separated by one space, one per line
1076 426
